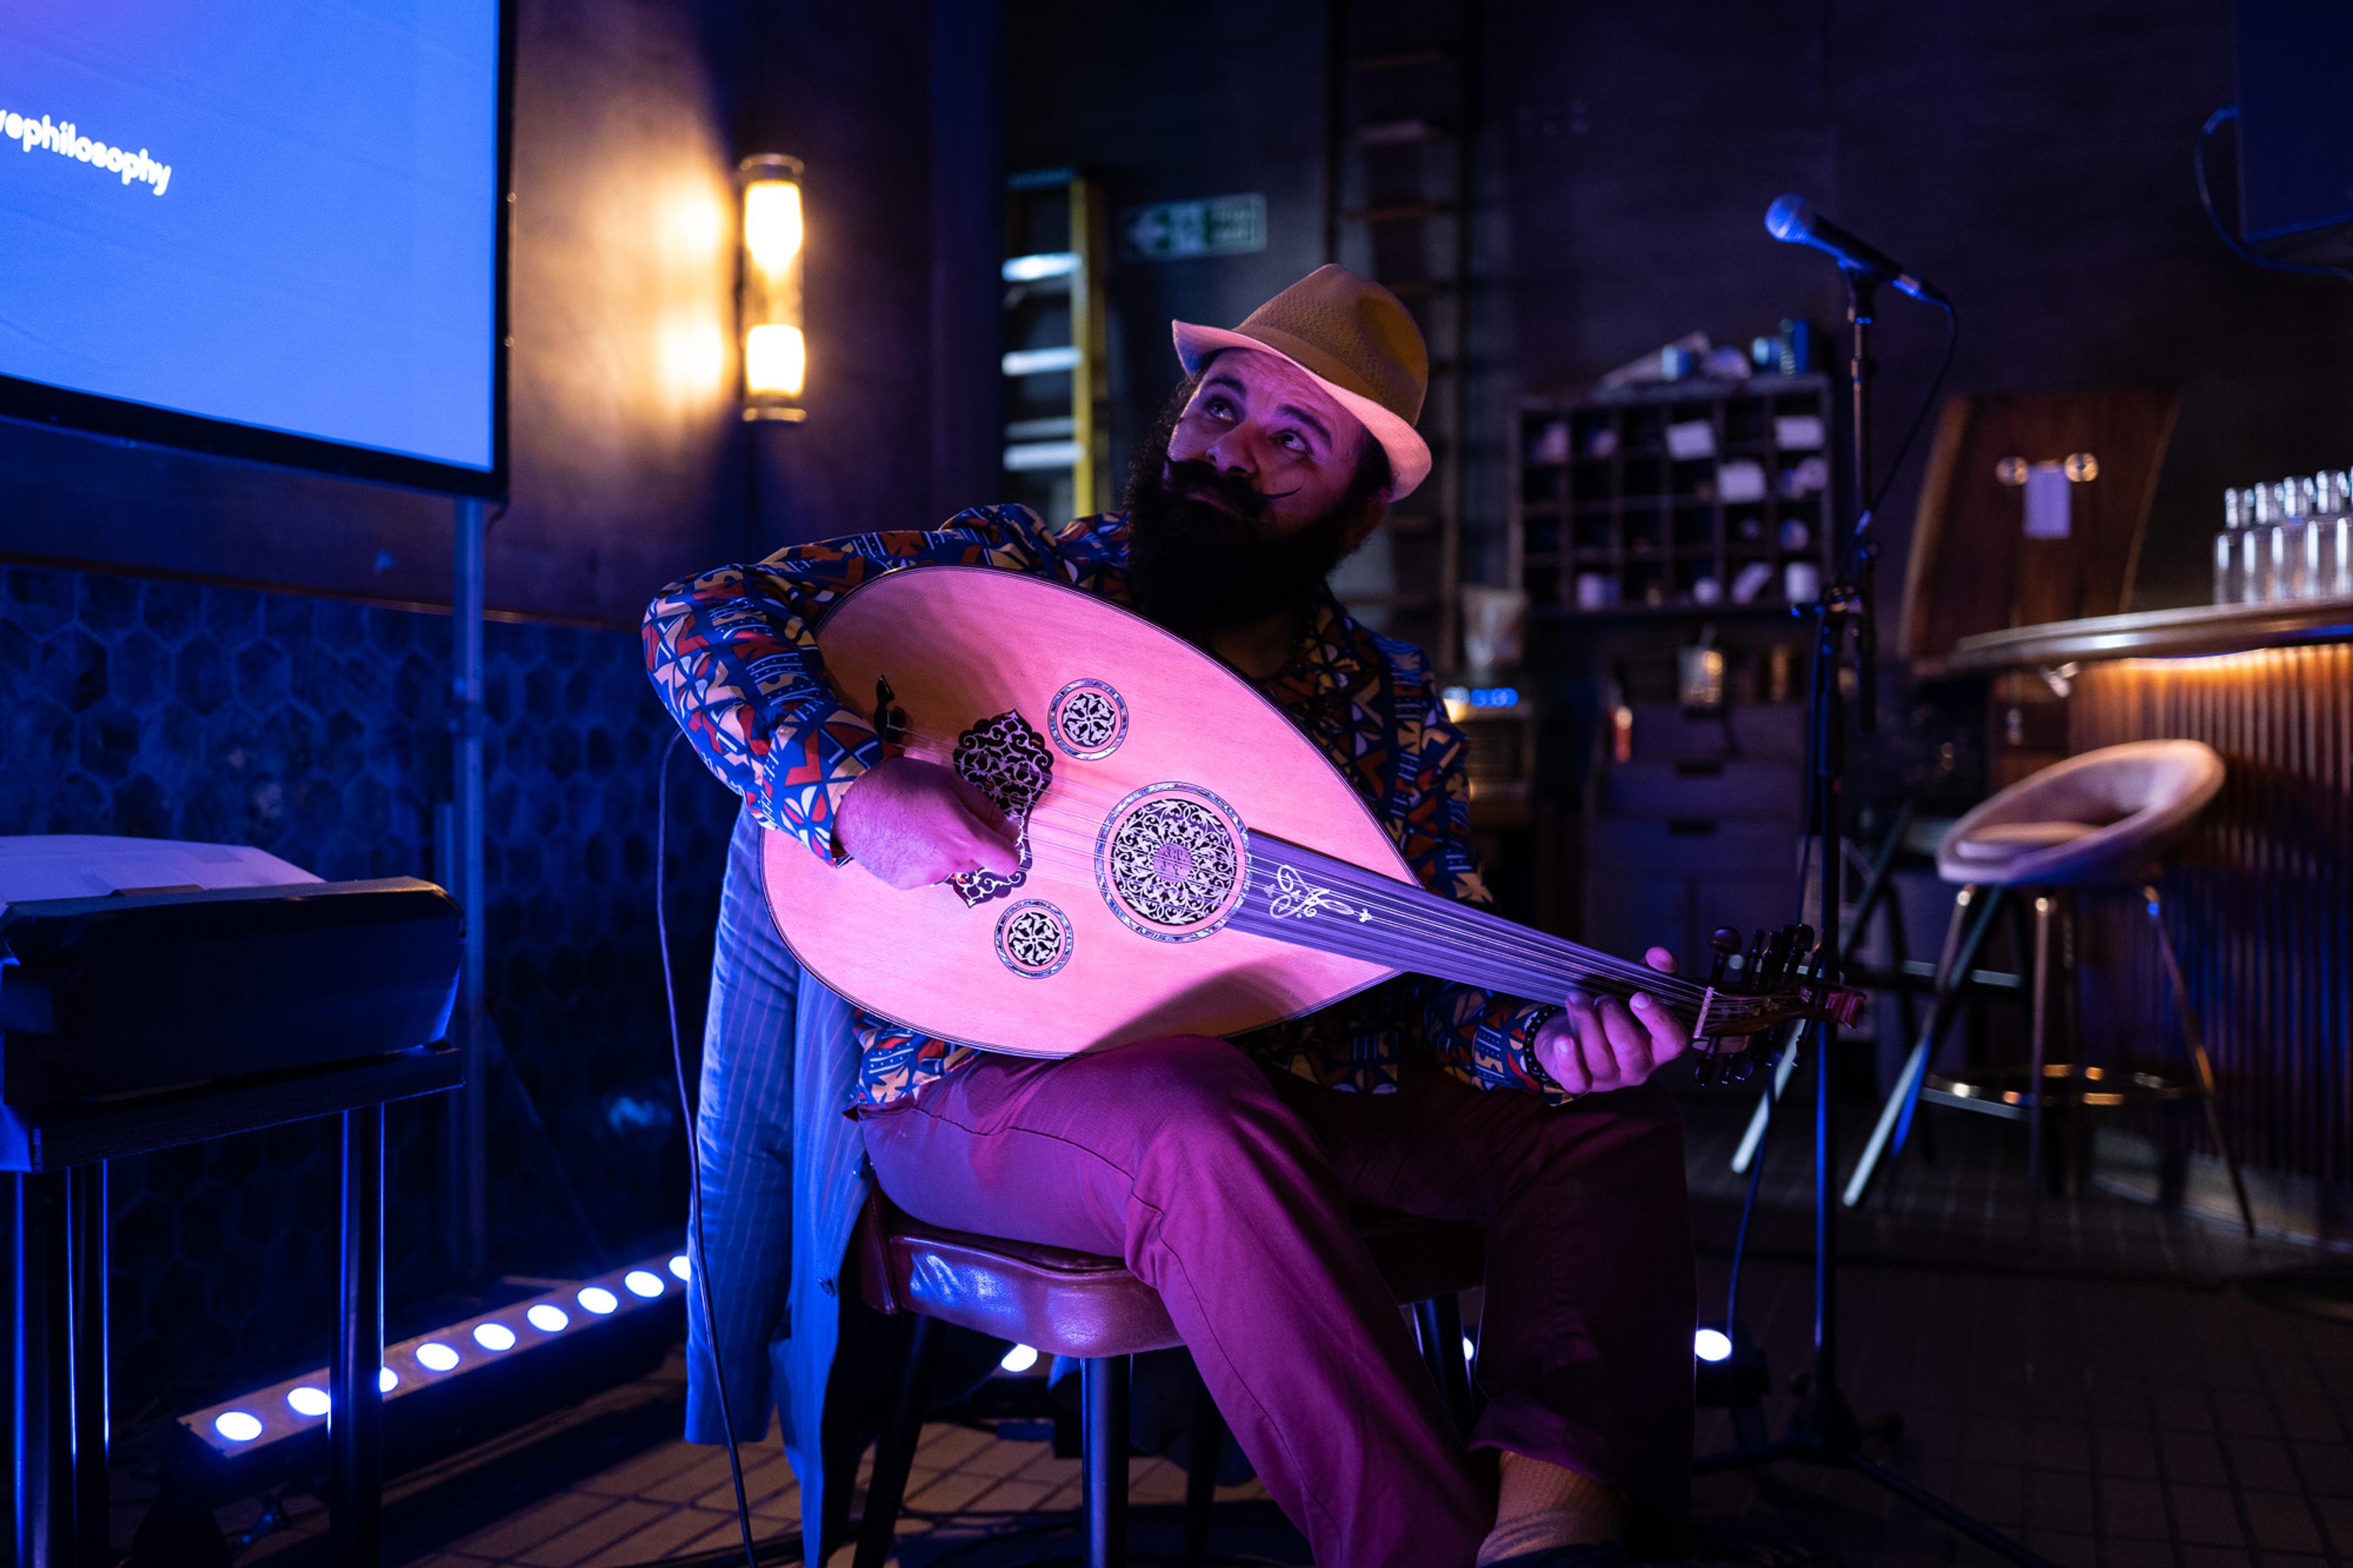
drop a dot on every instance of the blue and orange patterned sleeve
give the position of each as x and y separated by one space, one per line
733 656
1490 1036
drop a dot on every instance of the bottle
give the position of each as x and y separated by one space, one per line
2293 565
2226 552
2254 543
2332 564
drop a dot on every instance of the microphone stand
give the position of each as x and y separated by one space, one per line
1824 1430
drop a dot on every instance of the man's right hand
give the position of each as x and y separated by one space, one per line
915 823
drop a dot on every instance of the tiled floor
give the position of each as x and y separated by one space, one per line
2111 1396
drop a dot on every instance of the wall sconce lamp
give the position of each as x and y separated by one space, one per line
768 288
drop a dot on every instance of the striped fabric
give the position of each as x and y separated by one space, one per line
743 1152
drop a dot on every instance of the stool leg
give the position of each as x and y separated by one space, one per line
2075 1157
1201 1478
2196 1038
895 1454
1104 1381
2038 1046
355 1403
44 1366
86 1187
1439 1319
1964 938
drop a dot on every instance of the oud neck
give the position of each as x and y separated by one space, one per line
1310 899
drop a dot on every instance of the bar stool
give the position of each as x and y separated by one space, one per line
1090 1307
2103 819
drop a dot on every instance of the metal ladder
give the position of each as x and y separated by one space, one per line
1057 385
1399 190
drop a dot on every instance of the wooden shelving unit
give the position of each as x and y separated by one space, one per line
1627 489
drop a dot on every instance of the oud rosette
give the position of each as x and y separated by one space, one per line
1172 861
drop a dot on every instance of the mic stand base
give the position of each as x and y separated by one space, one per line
1825 1432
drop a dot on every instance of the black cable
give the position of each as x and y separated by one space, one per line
1861 531
1927 403
693 1154
1755 1175
2240 248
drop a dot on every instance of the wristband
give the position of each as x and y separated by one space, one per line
1534 1063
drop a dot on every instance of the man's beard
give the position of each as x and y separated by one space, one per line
1196 568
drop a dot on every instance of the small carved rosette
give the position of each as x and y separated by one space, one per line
1007 761
1172 861
1033 938
1088 719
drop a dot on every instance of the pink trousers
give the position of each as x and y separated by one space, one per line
1228 1191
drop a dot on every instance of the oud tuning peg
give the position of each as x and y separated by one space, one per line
1706 1064
1727 942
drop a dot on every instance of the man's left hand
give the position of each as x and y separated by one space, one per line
1595 1044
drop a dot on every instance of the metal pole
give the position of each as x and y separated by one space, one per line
468 1180
1104 1431
43 1369
86 1198
1826 1422
355 1402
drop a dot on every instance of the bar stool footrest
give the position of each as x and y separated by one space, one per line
2006 1089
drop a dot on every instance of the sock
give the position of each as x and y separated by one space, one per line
1540 1506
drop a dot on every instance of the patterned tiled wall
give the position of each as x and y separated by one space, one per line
319 731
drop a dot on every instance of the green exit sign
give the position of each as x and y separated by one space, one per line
1213 225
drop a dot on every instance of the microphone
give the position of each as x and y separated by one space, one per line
1791 220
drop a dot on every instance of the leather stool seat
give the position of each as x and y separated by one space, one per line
1086 1305
2006 841
2103 817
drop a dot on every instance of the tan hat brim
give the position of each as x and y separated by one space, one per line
1409 454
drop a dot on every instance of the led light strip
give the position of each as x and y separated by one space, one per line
299 1404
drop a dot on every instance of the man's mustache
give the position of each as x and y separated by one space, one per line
1191 475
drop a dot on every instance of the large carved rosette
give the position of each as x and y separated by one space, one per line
1172 861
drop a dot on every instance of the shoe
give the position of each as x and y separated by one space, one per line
1588 1554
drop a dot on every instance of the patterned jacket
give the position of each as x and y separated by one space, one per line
733 655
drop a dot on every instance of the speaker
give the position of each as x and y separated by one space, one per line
2295 128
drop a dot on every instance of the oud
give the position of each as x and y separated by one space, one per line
1190 862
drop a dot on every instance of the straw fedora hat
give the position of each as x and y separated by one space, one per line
1356 338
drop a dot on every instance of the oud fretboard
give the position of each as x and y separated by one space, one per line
1310 899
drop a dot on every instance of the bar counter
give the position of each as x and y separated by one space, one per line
2261 895
2200 629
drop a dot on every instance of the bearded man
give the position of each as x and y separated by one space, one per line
1223 1172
